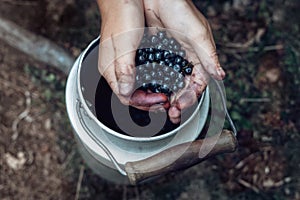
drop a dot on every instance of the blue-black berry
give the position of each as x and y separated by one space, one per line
161 66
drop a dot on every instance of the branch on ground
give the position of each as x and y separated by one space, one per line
35 46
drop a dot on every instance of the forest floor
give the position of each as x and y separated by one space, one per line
258 44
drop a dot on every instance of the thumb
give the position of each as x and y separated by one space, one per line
125 73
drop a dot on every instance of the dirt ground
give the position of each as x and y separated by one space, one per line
38 154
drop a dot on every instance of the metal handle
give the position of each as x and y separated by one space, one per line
225 108
184 155
180 157
98 142
136 170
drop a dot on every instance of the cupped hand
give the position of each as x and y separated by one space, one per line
193 32
122 27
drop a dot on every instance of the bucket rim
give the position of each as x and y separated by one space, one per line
93 44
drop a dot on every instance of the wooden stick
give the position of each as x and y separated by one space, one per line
35 46
180 156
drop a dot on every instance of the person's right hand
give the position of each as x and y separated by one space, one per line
122 27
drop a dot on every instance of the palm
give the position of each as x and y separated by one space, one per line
182 17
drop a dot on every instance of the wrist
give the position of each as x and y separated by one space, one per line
109 7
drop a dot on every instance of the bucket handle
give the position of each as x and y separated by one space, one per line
168 160
150 167
95 139
137 171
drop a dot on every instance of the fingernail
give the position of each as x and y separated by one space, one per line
221 72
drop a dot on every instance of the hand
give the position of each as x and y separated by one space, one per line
122 28
183 17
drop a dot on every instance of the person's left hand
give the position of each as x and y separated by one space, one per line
183 17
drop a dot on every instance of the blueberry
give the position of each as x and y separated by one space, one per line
151 57
158 56
149 50
167 61
167 79
161 62
172 41
137 78
188 70
178 59
165 41
180 77
161 47
164 88
153 73
172 74
154 39
166 69
147 77
177 68
156 89
140 68
174 88
159 82
140 51
184 63
170 47
176 47
172 55
141 59
181 53
166 54
145 41
159 74
180 84
144 85
161 34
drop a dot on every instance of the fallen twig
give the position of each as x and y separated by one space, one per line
78 187
249 42
35 46
248 185
245 50
68 159
21 116
124 196
21 3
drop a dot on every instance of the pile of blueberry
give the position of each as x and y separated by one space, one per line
161 66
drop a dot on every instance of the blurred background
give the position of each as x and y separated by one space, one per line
258 43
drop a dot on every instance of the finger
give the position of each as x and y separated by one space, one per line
208 58
199 80
151 14
197 31
142 98
174 114
125 46
155 107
